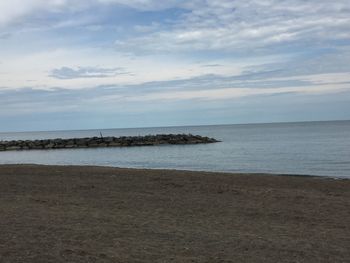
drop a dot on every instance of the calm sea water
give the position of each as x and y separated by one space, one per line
308 148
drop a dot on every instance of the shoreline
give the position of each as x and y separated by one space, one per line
106 214
165 169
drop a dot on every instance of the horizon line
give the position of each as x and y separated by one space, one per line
178 126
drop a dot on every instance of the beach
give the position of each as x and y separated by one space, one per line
104 214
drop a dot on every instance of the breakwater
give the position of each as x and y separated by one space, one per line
94 142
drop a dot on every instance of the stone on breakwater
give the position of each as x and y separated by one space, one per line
94 142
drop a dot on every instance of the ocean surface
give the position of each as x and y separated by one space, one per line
305 148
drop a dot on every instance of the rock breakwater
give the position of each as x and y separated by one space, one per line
93 142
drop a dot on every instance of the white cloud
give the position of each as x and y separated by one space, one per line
213 25
35 68
234 25
87 72
13 10
146 4
234 93
217 25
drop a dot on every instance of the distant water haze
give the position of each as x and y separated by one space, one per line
305 148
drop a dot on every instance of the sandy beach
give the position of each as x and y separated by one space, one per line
99 214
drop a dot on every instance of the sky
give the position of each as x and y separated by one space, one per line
92 64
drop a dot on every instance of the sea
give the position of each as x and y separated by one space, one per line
300 148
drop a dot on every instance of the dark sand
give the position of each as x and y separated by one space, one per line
96 214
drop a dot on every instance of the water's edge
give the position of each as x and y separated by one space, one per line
183 170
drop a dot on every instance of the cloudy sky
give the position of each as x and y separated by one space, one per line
79 64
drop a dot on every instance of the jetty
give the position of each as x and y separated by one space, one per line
94 142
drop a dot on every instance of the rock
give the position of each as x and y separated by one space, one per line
49 145
114 144
93 144
147 140
108 139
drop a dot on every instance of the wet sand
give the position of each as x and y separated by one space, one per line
99 214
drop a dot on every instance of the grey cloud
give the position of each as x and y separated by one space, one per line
86 72
212 65
336 61
80 97
5 35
